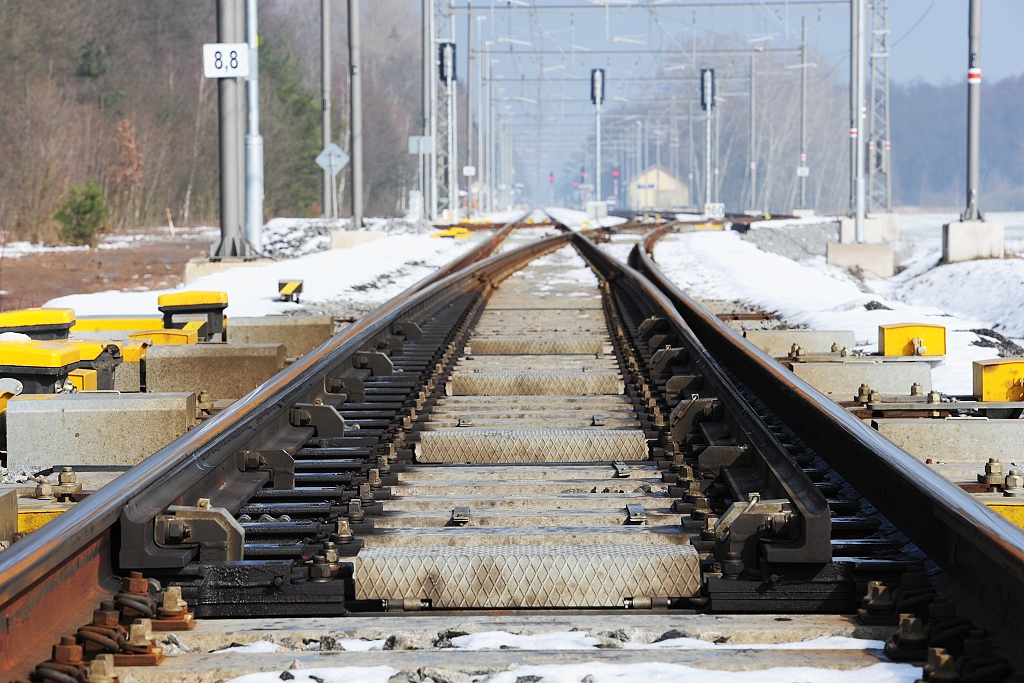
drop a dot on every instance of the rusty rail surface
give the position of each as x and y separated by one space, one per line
980 550
53 578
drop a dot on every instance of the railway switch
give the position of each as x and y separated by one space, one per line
911 339
180 308
42 324
289 290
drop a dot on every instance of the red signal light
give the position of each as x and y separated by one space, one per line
576 184
615 173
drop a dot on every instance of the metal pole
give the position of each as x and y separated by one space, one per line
469 106
480 171
854 111
707 142
861 118
453 153
973 213
232 242
242 116
693 159
639 167
433 114
253 141
803 114
597 164
718 146
325 94
355 60
753 137
427 57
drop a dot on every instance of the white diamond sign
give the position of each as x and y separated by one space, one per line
332 159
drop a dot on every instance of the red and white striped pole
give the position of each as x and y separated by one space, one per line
973 213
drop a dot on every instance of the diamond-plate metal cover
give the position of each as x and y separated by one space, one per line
534 383
512 576
511 346
462 444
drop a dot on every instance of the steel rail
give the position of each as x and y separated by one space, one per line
981 551
65 564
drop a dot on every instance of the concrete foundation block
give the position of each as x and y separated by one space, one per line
956 440
200 267
224 371
128 377
803 213
970 240
93 429
299 334
878 227
778 343
343 239
840 381
872 260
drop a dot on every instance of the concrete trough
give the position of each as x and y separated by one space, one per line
224 371
955 440
93 429
540 383
514 576
299 334
777 343
518 345
581 444
840 381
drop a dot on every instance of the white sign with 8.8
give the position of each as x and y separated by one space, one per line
226 60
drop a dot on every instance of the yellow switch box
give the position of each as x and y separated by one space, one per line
39 323
912 339
83 379
135 350
114 324
167 336
999 379
192 299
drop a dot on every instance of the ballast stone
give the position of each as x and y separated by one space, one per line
299 334
93 429
224 371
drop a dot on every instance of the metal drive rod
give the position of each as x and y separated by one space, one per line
253 141
325 94
862 11
974 114
355 60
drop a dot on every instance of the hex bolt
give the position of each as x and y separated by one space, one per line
355 511
863 393
68 652
101 669
941 666
993 473
874 397
320 571
1013 485
383 466
911 634
343 535
365 494
835 347
916 389
878 600
844 352
67 476
140 633
44 491
172 604
107 616
330 551
934 397
135 583
373 476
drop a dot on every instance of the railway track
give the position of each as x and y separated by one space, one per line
540 440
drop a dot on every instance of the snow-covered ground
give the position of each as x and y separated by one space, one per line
369 273
722 265
120 240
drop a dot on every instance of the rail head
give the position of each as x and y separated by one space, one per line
157 481
982 551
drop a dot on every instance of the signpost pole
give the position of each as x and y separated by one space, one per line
355 59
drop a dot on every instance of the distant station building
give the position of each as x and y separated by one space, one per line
656 189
